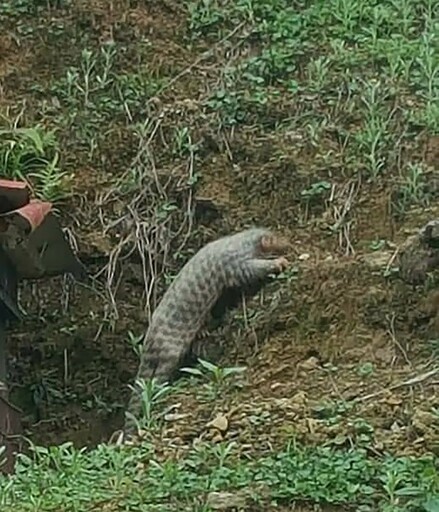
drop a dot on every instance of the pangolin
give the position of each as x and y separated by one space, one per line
241 261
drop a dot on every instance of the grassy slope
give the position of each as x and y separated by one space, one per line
106 478
325 111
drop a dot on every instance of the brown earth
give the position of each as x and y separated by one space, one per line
317 345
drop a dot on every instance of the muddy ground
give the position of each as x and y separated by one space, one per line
338 328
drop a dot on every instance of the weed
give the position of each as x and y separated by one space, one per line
17 8
32 155
413 189
378 245
182 142
151 393
222 451
396 489
321 46
215 375
372 138
93 92
331 411
366 369
315 191
135 343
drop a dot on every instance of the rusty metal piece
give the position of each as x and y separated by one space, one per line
13 195
32 245
32 238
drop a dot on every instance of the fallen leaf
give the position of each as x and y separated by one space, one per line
220 423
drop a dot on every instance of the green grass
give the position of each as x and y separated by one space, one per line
93 93
362 72
93 98
111 478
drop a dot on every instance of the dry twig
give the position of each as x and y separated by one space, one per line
410 382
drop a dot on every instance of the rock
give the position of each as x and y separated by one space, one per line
175 416
424 420
226 500
310 364
378 259
220 422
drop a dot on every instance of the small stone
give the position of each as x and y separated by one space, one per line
175 416
220 423
226 500
393 400
310 364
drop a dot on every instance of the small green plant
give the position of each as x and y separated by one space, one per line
204 16
366 369
413 189
135 343
182 142
434 347
92 93
288 275
363 432
229 104
372 138
332 411
93 74
377 245
316 190
215 375
397 492
151 394
31 154
222 451
318 72
17 8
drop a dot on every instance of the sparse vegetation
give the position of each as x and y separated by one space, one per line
151 394
30 154
161 126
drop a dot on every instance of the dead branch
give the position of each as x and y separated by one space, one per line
410 382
